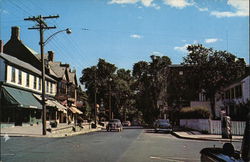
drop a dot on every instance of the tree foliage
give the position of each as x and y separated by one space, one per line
106 81
210 70
151 86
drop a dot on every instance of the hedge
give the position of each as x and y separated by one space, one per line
194 113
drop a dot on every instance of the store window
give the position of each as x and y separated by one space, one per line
35 81
27 80
19 77
13 74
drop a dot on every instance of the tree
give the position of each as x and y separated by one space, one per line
96 81
151 86
210 70
123 97
106 81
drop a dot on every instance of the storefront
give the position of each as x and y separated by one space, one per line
19 107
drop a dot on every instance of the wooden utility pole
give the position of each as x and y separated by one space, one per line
41 26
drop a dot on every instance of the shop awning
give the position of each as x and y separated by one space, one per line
75 110
52 103
20 98
60 106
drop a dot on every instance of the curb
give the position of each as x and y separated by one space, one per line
74 133
51 135
205 139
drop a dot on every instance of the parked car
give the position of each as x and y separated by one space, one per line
162 125
126 123
114 124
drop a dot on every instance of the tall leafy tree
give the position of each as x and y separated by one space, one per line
96 81
210 70
151 85
123 98
107 81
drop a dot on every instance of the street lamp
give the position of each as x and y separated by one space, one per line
68 31
42 44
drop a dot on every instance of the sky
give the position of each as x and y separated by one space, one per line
124 32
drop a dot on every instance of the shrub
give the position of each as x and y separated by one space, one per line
194 113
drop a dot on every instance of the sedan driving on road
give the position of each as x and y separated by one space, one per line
162 125
126 123
114 124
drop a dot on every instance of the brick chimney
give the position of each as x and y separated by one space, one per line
1 46
15 32
51 56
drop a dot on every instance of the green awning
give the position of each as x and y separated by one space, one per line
20 98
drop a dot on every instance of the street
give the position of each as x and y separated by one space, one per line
130 145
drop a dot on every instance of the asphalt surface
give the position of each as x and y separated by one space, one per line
130 145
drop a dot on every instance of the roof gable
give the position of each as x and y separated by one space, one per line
16 48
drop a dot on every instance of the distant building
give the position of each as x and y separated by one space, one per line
233 98
66 85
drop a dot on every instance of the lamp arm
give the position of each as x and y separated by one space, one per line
67 30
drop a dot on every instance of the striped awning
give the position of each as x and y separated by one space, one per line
52 103
20 98
74 110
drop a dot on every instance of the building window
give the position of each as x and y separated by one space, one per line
27 80
51 86
19 77
34 83
39 84
238 91
228 94
47 87
232 93
13 74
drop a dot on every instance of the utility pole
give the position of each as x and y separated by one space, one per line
95 98
110 110
41 26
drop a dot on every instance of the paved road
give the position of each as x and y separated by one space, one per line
130 145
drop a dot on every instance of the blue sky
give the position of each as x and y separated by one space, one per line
124 32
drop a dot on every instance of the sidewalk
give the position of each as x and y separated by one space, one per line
62 130
195 135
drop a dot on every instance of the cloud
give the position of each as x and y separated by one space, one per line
136 36
123 1
241 7
182 48
211 40
178 3
146 3
201 9
3 11
156 53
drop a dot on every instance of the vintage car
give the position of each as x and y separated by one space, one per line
114 124
126 123
162 125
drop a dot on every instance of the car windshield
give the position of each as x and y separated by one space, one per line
163 121
114 120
